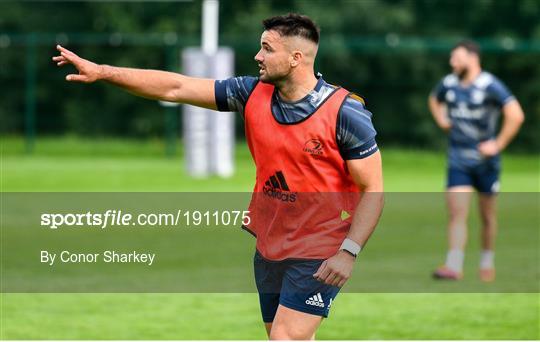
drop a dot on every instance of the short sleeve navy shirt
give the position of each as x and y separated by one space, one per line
354 129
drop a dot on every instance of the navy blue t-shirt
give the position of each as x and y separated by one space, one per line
474 112
354 129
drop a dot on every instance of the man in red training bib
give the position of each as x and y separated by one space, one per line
318 191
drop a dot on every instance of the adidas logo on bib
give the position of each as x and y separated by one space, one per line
276 187
315 300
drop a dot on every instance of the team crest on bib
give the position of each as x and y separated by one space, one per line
313 147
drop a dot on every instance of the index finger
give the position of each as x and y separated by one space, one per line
64 50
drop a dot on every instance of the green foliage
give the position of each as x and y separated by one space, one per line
355 52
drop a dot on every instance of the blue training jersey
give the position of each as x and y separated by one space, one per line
355 133
474 112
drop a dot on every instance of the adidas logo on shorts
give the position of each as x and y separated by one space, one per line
315 300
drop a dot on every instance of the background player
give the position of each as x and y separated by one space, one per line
467 104
305 136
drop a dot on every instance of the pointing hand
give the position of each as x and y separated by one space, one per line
88 71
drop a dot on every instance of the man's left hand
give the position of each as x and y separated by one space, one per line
336 270
489 148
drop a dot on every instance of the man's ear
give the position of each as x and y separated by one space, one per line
296 58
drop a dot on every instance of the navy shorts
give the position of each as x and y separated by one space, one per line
291 284
484 178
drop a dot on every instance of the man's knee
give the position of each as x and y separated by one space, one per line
284 332
290 324
488 212
278 333
458 214
489 222
458 217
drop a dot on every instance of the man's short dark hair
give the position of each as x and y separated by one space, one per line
468 45
293 24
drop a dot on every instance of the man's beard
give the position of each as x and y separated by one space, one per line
461 74
274 79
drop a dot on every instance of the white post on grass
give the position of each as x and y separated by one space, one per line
209 135
210 27
221 65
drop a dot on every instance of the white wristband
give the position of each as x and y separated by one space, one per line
350 246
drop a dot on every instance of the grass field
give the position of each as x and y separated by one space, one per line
108 165
114 165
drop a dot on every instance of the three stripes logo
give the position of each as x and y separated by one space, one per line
315 300
276 187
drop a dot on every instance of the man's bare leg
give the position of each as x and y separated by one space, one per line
268 327
488 213
458 199
290 324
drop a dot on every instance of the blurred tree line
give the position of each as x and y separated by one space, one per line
390 51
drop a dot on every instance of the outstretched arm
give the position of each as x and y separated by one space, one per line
152 84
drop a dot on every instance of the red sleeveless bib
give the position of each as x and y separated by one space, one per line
304 196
